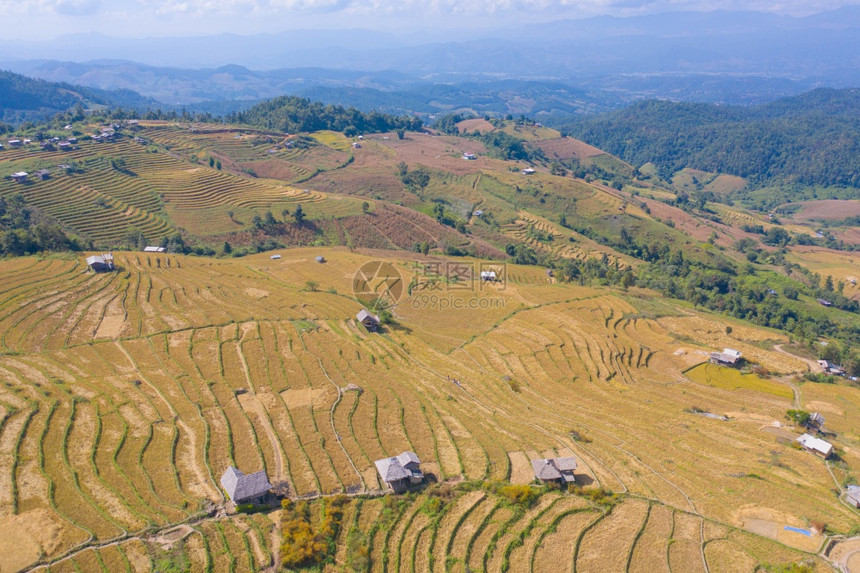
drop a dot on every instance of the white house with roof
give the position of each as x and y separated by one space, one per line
241 488
400 472
815 445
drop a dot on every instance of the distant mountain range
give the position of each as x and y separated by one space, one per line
572 66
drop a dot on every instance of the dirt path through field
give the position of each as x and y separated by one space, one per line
201 477
331 414
250 402
814 366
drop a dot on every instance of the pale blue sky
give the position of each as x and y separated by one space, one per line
46 19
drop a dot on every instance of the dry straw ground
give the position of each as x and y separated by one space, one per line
124 396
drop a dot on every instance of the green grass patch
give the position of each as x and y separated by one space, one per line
731 379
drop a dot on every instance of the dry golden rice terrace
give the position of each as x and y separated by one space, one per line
126 395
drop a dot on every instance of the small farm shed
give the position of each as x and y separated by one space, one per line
816 420
101 263
824 302
20 177
815 445
728 357
14 143
470 156
528 171
153 249
275 257
320 259
43 174
488 275
831 368
370 321
852 495
555 470
242 488
400 472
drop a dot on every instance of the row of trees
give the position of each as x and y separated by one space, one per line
294 114
271 225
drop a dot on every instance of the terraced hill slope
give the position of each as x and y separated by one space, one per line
125 395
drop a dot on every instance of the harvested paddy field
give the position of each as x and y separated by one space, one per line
124 396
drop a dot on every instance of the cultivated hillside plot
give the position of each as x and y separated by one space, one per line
124 396
110 188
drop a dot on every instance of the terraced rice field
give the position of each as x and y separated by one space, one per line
738 217
466 529
153 193
124 396
268 154
560 241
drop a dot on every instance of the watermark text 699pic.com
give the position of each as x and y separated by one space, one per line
450 301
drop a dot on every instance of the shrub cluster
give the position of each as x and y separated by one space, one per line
303 546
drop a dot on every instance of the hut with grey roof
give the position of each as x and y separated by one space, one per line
241 488
555 470
369 320
101 263
852 495
728 357
400 472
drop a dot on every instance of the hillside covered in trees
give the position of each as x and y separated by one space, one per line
811 139
294 114
27 99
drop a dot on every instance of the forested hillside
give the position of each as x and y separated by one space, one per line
28 99
294 114
810 139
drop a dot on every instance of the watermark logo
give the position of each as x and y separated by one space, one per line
378 285
437 285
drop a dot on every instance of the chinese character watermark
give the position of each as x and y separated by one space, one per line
436 285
